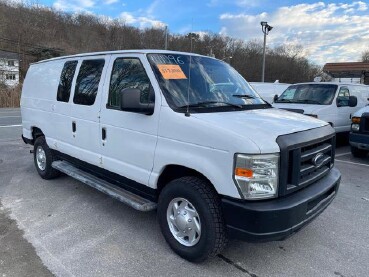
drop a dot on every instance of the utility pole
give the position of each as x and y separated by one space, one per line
166 37
266 29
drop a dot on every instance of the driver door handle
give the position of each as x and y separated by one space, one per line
103 133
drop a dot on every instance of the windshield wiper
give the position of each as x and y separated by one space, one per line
311 101
243 96
206 103
283 100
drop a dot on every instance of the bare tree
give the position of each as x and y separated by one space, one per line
365 56
38 32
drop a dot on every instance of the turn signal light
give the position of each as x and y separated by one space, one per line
356 120
243 172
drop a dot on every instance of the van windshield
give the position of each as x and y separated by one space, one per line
318 94
208 85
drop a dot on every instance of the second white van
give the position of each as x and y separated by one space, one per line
334 103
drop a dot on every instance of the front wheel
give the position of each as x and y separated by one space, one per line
191 220
358 153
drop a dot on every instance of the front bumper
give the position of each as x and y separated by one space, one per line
279 218
359 140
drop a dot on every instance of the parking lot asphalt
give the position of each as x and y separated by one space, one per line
10 124
68 229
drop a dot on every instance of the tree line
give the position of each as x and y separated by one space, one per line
37 32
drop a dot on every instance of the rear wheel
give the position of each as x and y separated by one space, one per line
358 153
191 220
43 158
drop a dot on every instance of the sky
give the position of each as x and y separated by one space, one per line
334 31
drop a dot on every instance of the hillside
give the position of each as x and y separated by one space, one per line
38 33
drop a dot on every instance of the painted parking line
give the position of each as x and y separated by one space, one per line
347 162
8 116
9 126
343 154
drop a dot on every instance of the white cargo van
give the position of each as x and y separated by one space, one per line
359 136
332 102
184 134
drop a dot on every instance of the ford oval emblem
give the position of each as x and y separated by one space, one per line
318 160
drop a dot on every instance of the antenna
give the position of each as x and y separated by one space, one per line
189 72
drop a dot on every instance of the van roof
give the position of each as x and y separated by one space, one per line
138 51
331 83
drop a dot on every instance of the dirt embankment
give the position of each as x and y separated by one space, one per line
10 97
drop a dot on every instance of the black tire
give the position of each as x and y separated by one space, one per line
48 172
207 204
358 153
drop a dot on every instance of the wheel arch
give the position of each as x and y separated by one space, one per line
36 132
175 171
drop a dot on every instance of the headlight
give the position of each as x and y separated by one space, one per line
355 127
257 175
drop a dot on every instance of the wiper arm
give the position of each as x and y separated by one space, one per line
243 96
283 100
205 103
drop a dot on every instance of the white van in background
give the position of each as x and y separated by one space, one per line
267 91
334 103
359 136
184 134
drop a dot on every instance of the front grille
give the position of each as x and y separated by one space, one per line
303 171
365 122
306 157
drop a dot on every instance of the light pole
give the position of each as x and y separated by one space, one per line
266 29
166 37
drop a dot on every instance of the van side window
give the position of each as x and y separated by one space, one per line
88 82
128 73
65 82
343 97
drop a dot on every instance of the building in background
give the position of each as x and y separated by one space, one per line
353 72
9 68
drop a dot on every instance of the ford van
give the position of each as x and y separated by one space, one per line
332 102
182 134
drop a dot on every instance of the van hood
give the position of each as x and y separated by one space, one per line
262 126
300 108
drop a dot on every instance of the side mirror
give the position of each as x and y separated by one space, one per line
352 101
130 101
275 98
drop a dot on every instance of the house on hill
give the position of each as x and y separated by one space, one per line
9 68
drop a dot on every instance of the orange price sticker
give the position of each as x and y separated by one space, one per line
171 71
